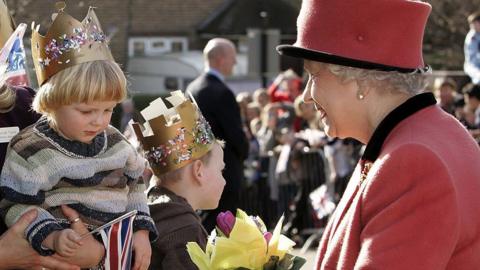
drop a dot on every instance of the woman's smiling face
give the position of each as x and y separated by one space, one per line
335 100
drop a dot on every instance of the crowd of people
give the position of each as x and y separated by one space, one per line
410 203
463 104
285 134
398 163
280 126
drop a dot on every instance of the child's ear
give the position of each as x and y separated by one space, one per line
198 171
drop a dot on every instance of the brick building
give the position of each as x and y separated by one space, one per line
159 31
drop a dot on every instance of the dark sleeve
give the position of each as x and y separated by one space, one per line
23 105
178 258
231 123
21 115
3 227
170 251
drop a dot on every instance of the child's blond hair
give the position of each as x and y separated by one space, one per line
83 83
7 98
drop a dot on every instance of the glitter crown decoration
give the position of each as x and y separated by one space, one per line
173 137
68 42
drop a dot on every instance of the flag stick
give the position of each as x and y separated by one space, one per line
129 214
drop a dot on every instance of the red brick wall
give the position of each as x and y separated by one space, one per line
147 17
112 14
170 17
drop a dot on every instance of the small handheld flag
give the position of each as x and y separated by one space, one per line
12 58
117 238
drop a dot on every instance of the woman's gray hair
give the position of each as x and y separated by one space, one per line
408 83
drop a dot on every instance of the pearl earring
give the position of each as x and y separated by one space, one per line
361 96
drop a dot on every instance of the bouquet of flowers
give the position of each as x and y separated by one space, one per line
243 242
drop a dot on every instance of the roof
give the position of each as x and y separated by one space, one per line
235 16
175 17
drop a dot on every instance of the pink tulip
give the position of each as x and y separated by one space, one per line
225 222
267 236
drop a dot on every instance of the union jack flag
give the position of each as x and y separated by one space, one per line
117 239
12 59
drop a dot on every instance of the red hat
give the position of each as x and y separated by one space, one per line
371 34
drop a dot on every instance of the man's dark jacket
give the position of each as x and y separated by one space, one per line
219 107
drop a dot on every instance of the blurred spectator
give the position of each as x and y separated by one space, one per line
265 134
261 97
338 153
284 182
219 107
446 94
253 117
471 94
472 48
128 113
275 117
307 113
252 165
243 99
286 87
459 107
467 118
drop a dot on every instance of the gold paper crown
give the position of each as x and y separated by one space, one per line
173 137
6 23
68 42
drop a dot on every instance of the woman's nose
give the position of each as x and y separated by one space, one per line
306 96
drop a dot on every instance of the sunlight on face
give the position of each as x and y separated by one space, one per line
333 99
83 121
215 180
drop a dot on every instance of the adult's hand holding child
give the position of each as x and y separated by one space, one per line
16 252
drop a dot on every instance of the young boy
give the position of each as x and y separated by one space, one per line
71 155
187 162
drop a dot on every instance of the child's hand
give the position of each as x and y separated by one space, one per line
67 242
142 250
91 252
64 242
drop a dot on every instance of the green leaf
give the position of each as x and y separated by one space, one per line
298 262
271 264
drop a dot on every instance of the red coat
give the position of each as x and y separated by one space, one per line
419 206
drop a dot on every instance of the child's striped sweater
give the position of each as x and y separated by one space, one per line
101 180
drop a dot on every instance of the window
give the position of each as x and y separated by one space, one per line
171 83
177 46
151 46
139 48
158 44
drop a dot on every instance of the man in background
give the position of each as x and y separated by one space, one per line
219 107
472 48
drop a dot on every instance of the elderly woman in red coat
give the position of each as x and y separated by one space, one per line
414 200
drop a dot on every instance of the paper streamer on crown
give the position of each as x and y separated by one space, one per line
6 23
174 136
68 42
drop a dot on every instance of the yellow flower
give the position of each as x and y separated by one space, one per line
279 244
198 257
245 247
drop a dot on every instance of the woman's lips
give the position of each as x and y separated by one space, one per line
321 110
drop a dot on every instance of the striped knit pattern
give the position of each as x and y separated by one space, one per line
101 180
